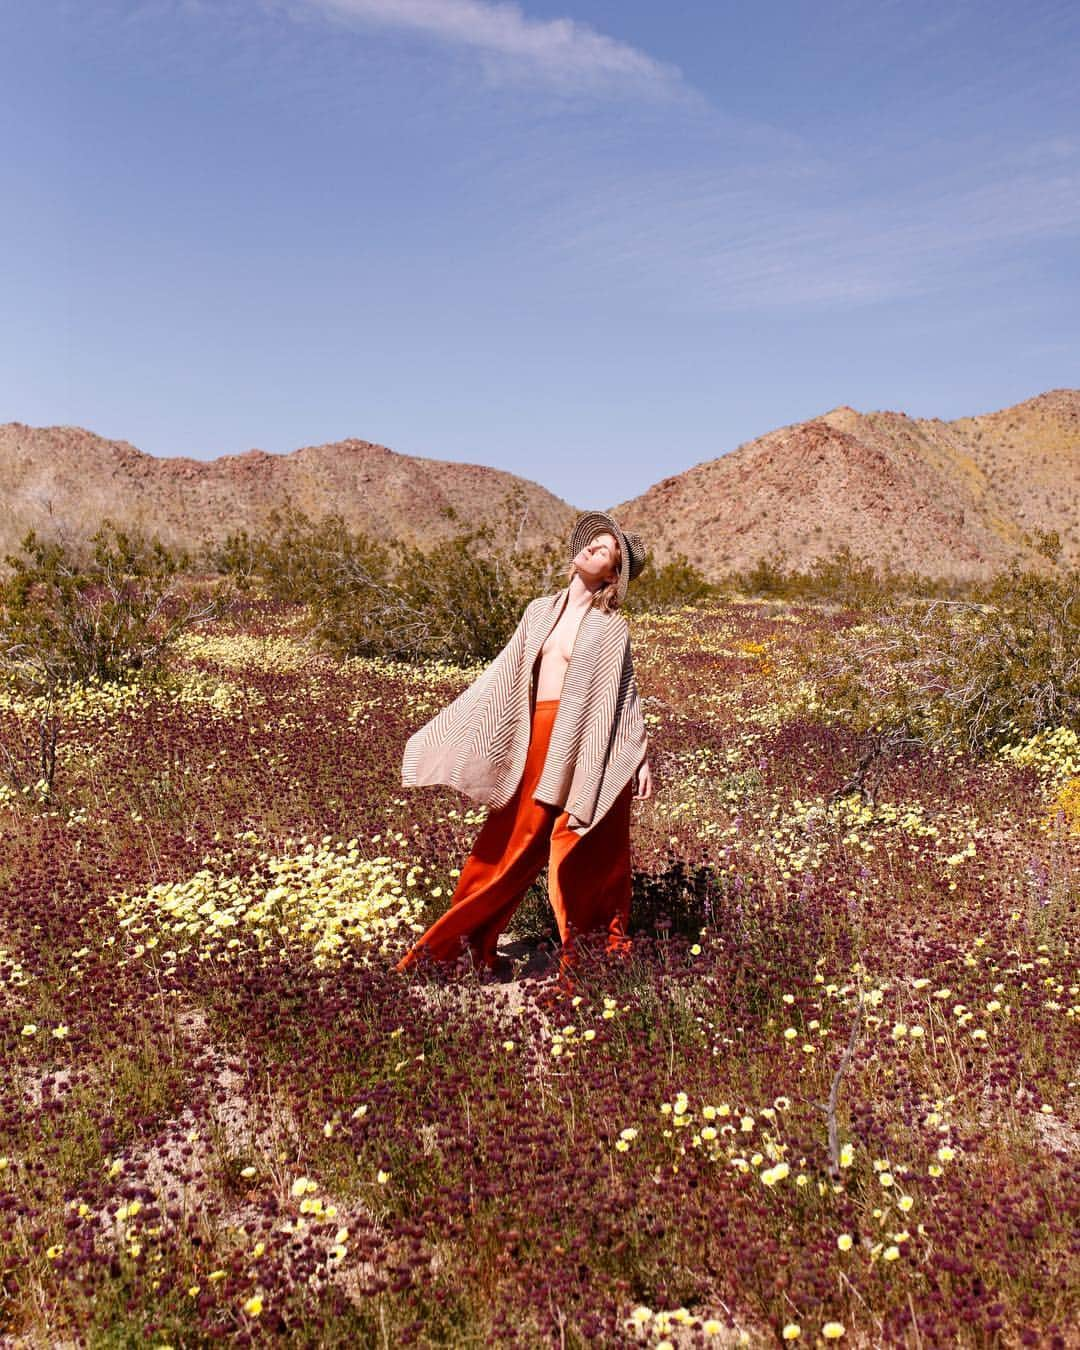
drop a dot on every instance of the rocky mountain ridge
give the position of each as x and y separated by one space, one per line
958 498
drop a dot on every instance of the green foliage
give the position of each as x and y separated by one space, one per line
70 616
971 674
237 556
843 577
459 600
101 619
678 582
767 577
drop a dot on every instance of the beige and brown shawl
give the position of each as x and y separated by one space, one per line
478 743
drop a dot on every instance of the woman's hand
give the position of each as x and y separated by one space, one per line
643 786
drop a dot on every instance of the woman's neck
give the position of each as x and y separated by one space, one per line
580 593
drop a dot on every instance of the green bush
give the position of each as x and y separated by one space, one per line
678 582
971 675
298 559
72 616
842 577
103 617
458 600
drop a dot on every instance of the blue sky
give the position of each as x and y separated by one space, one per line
592 242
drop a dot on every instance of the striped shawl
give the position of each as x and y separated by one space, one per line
478 743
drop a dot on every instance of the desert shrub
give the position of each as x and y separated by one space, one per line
458 600
297 557
842 577
100 619
972 675
656 589
847 579
768 576
71 615
238 556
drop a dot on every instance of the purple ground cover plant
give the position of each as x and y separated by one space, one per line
223 1116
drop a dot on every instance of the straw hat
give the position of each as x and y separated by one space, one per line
633 550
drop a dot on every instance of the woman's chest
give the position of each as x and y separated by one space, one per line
559 643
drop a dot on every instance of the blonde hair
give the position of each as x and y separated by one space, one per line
605 597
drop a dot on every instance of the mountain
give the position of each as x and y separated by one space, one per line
65 478
952 499
959 498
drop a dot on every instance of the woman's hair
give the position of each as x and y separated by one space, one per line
604 599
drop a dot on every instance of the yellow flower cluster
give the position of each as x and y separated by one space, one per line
851 813
422 688
422 673
1054 755
217 696
565 1041
716 1139
12 972
1066 806
330 899
361 710
664 1322
92 701
831 1331
681 631
246 651
101 703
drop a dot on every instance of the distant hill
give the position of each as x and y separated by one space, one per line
953 499
68 478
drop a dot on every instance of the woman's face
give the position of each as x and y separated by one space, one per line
596 561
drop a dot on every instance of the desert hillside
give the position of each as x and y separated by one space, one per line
950 498
956 498
69 478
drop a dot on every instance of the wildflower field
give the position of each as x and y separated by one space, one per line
831 1096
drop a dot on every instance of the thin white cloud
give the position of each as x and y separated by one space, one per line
562 52
739 246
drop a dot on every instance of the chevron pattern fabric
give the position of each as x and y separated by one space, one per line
478 743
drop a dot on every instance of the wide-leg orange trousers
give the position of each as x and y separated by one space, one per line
589 880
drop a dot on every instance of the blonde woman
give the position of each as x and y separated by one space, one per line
552 738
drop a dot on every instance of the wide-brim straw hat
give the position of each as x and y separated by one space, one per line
633 550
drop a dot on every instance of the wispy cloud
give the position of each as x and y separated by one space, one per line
743 245
561 52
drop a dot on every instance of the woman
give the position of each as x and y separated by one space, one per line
551 736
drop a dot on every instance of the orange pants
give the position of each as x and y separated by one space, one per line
589 881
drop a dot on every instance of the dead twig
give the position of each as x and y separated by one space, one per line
829 1107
